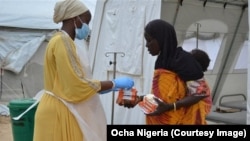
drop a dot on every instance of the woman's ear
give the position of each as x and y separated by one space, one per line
77 22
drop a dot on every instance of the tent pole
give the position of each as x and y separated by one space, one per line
114 76
221 74
198 25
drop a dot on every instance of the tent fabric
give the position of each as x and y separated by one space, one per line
226 22
27 14
13 51
119 39
121 30
32 14
25 28
117 26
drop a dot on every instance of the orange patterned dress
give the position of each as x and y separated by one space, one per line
170 88
197 113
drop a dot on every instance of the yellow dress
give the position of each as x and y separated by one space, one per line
65 80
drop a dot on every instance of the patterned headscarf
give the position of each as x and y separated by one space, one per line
171 57
66 9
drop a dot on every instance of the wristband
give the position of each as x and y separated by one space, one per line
174 106
113 85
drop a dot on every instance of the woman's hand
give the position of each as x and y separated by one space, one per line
161 108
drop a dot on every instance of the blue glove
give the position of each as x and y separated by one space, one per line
123 83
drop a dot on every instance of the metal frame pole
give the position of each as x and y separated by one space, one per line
114 76
198 25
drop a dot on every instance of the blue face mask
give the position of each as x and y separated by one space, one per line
83 32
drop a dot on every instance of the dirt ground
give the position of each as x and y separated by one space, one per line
5 129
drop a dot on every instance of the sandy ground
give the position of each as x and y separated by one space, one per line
5 129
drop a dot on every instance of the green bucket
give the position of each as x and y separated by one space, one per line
23 128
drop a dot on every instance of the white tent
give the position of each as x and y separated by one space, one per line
223 31
25 28
117 26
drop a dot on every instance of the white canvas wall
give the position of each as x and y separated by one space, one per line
119 27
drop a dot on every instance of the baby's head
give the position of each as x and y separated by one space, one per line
201 57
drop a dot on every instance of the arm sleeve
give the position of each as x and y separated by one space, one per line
70 82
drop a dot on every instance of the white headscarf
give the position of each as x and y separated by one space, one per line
66 9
